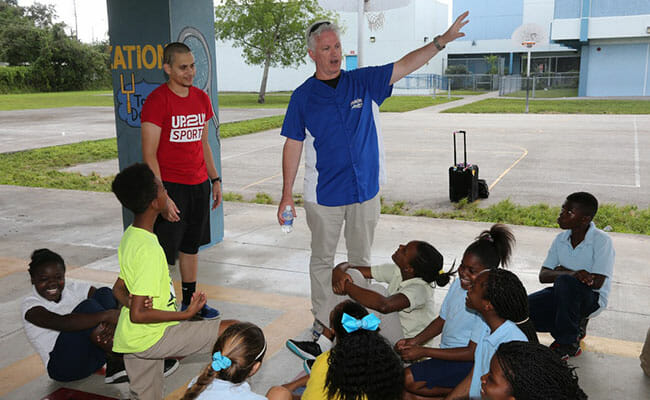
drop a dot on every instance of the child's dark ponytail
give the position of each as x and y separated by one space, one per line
508 296
428 264
494 246
42 257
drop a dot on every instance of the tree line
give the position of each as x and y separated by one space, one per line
42 57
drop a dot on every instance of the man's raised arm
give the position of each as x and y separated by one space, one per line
419 57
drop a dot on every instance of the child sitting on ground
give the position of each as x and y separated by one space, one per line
448 365
148 335
361 365
580 265
499 296
237 355
404 308
529 371
70 324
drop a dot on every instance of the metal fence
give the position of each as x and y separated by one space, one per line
429 83
547 85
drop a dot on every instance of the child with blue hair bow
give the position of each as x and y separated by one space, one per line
237 355
361 363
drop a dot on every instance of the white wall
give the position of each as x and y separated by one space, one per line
404 30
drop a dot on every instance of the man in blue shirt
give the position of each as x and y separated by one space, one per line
335 114
580 265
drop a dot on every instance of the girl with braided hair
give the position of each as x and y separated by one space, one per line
449 364
500 297
529 371
361 365
237 355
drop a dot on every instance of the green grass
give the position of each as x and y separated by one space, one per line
39 167
226 100
546 94
231 129
408 103
55 100
249 100
518 106
624 219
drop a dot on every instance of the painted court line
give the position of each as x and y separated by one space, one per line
504 173
248 152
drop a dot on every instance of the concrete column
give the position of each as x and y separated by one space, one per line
138 32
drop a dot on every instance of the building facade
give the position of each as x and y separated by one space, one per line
613 38
404 29
607 41
492 24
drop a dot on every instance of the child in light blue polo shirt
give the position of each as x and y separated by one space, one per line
448 365
580 265
499 296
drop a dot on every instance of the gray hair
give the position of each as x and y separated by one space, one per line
316 29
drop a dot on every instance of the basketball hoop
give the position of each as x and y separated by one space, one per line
528 44
375 20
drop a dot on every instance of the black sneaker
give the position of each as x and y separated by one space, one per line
307 364
115 371
304 350
583 329
171 365
565 351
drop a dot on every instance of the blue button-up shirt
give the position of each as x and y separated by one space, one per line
340 128
595 254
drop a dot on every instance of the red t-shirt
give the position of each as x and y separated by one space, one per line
181 119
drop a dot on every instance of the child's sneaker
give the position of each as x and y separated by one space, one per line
305 350
171 365
206 312
115 371
565 351
307 364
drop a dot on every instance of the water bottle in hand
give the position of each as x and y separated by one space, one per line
287 215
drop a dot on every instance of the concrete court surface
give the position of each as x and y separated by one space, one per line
28 129
527 158
261 275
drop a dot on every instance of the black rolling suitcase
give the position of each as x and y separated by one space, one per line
463 177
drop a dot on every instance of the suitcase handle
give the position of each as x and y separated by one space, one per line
464 148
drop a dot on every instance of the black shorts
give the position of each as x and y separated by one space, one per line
193 230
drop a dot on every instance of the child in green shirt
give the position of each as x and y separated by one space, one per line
149 335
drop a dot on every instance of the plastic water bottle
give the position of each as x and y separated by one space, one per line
287 215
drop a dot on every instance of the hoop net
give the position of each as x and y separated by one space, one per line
375 20
528 44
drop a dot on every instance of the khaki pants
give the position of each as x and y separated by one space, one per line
390 327
145 369
325 224
645 355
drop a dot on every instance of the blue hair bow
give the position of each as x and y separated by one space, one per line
370 323
220 362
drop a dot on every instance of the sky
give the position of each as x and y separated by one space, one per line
92 19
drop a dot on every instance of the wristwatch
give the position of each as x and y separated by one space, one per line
217 179
437 44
